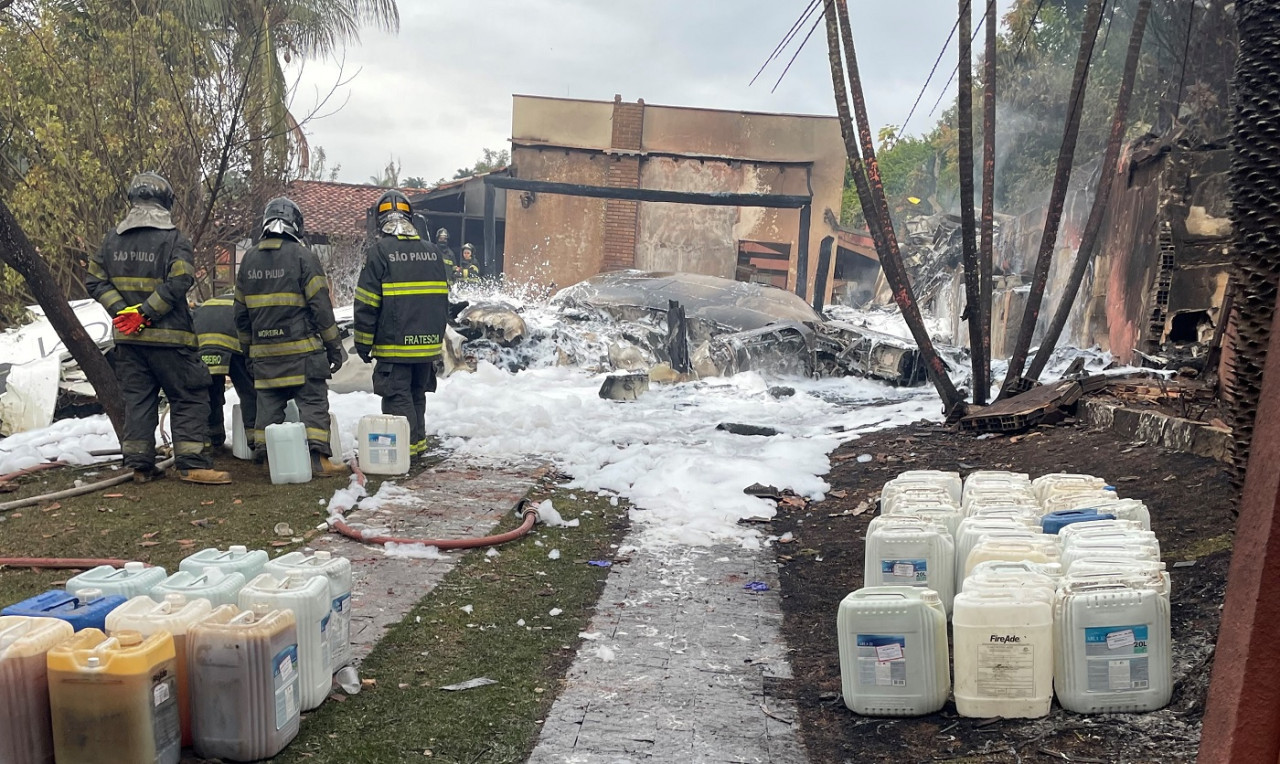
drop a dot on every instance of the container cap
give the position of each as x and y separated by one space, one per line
135 567
261 608
128 637
323 555
238 549
175 600
87 595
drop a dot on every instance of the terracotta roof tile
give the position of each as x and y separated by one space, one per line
335 209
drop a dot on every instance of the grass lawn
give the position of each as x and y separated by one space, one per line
159 523
402 714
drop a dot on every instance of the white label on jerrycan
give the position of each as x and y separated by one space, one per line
1006 668
284 670
382 447
1117 658
904 572
881 662
341 638
164 713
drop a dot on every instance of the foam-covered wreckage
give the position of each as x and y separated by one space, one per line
38 377
623 320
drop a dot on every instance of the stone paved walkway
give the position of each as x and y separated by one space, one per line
681 668
451 500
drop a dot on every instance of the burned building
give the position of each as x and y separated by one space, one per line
600 186
1154 292
473 212
1165 262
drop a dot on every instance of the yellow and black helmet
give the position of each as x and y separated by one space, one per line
392 202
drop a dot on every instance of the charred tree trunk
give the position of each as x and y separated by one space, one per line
866 177
1089 240
968 235
17 252
1057 197
1255 176
986 254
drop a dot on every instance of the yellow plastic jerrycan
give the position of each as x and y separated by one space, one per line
115 699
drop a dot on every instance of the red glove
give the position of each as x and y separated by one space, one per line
130 320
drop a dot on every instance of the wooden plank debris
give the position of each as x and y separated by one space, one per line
1025 410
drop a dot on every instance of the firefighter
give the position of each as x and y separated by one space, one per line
466 270
221 351
446 254
402 304
141 274
285 318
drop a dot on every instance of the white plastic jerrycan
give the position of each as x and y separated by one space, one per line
1003 653
309 600
288 457
337 571
382 444
893 651
134 579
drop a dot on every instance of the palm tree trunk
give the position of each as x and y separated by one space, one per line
1057 197
986 252
1255 176
968 235
1089 240
866 178
17 252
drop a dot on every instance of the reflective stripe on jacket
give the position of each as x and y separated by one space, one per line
151 268
402 300
283 313
215 323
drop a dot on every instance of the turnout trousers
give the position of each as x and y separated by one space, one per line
144 371
312 397
242 381
403 388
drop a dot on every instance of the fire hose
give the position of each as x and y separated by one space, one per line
340 526
78 490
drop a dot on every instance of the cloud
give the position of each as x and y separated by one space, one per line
440 91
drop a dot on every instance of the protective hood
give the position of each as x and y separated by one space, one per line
280 228
146 215
398 224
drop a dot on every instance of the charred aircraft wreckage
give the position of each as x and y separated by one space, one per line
667 327
678 326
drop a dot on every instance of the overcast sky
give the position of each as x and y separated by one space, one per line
440 91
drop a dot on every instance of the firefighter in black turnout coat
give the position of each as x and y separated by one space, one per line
221 351
285 318
402 305
141 276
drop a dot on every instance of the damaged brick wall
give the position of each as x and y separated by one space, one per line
1166 251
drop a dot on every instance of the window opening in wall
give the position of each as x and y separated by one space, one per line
1190 326
764 262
